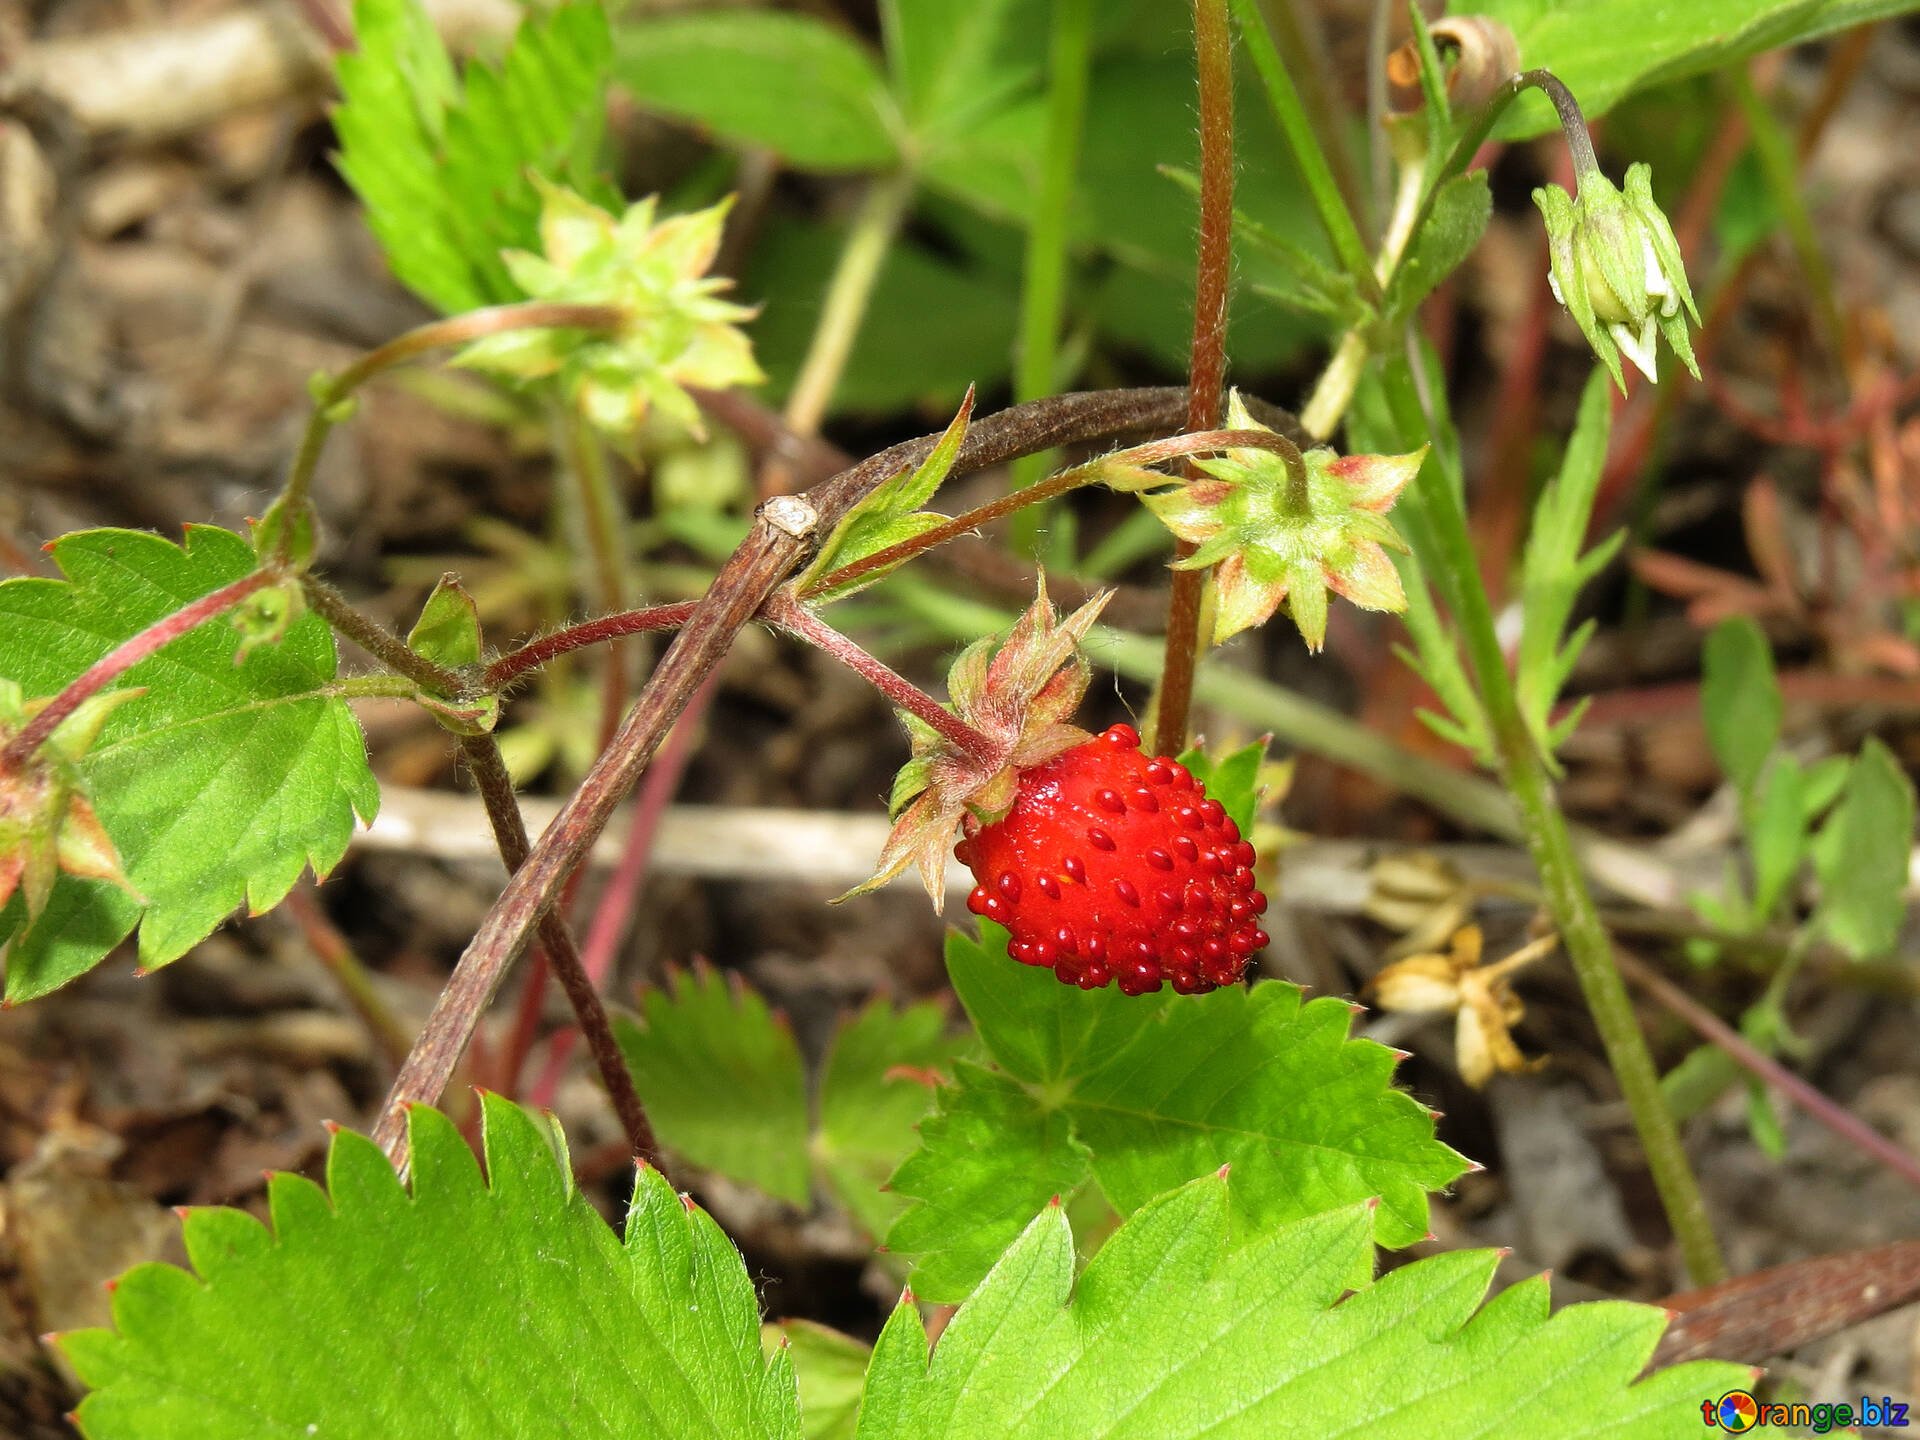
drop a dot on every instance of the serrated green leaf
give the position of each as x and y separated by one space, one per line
1461 209
448 630
989 1159
890 515
465 1309
792 84
1554 569
879 1082
1740 699
1174 1331
1435 658
1157 1089
1301 280
1861 856
831 1369
722 1079
1604 50
443 166
219 786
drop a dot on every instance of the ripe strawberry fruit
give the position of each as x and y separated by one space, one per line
1116 867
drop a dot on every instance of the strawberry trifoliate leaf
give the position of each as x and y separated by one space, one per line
878 1083
1155 1090
503 1307
1174 1331
727 1090
444 164
218 786
723 1080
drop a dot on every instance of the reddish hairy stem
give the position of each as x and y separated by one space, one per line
1207 364
122 658
1768 1071
791 616
535 653
779 538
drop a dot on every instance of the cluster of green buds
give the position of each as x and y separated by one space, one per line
1615 265
677 332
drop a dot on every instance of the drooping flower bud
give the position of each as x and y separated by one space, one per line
1616 266
678 332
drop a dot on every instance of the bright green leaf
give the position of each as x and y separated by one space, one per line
1740 699
1861 856
1605 49
1776 828
880 1079
470 1308
890 515
219 786
1459 218
723 1080
1155 1090
448 630
1174 1331
956 61
1233 779
790 83
444 167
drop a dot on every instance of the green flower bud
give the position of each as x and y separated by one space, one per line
1615 265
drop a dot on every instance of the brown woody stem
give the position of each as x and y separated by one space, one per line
535 653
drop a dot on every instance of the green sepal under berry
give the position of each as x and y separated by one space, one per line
1614 262
1272 529
1017 693
219 785
676 331
887 517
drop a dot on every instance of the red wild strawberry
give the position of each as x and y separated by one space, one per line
1113 866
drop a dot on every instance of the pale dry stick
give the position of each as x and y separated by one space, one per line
784 528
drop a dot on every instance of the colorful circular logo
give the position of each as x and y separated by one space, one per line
1737 1411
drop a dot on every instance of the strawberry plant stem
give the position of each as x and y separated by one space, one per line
778 540
602 518
386 647
1207 359
1711 1028
1282 94
457 1012
535 653
1523 770
798 621
123 657
1044 283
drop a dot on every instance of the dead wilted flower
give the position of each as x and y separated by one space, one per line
1479 995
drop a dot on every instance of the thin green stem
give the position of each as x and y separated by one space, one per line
1044 285
1284 96
1524 772
848 293
378 641
437 335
